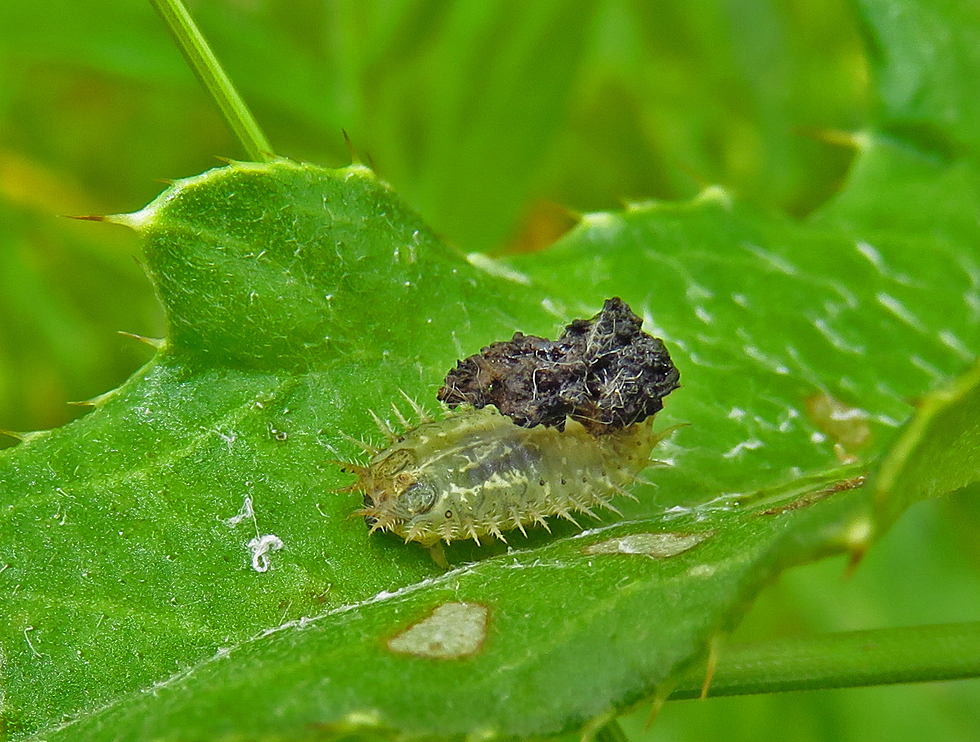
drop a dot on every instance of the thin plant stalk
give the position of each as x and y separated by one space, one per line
205 64
843 660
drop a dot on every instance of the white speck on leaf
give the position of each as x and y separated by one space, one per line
29 643
774 261
696 292
229 438
835 338
497 268
246 513
754 353
923 365
702 314
951 341
872 256
261 546
749 445
900 311
659 545
549 306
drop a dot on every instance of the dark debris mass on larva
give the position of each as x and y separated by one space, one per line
604 372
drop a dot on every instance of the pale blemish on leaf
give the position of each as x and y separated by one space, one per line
361 719
451 631
702 571
660 545
715 194
859 534
845 425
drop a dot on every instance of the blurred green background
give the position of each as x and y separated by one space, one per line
497 120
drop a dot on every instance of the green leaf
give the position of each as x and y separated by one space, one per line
175 565
939 451
279 340
925 57
495 648
779 318
123 556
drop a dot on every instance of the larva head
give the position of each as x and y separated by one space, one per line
394 492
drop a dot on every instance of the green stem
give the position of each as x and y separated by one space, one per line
202 60
611 732
848 659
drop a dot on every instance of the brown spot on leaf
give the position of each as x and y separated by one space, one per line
451 631
822 494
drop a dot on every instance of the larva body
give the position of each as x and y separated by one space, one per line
475 473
